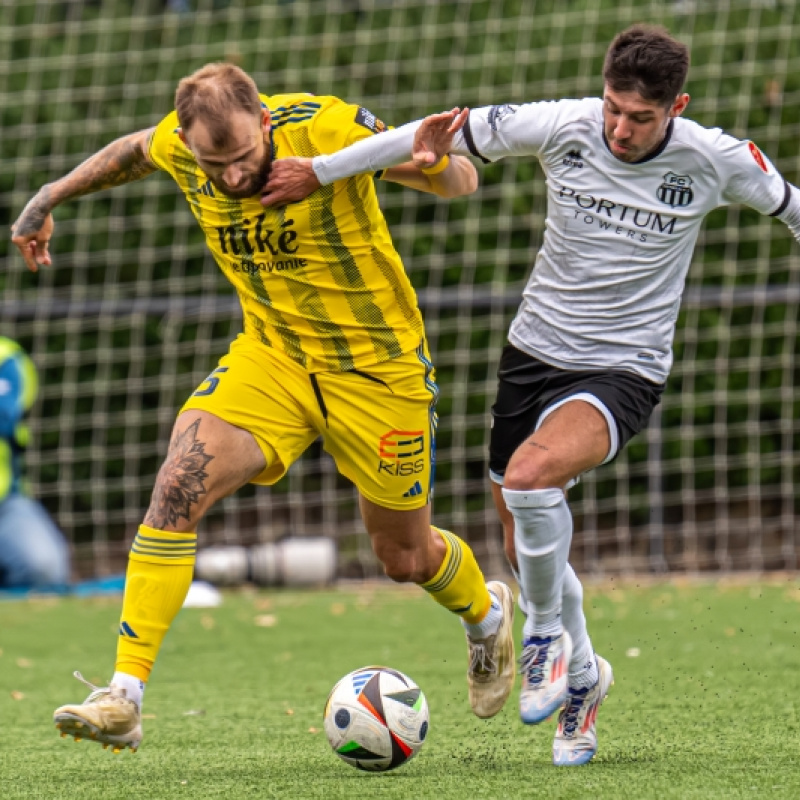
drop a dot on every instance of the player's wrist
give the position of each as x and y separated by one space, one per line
440 166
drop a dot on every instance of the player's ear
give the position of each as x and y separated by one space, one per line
182 137
266 120
679 106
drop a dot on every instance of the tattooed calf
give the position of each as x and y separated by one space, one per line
180 483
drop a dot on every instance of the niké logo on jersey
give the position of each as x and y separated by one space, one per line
676 190
242 240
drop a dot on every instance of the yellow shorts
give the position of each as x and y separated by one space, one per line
379 424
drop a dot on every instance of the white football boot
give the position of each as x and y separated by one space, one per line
576 739
543 665
491 660
106 716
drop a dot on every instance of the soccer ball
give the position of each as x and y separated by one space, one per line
376 718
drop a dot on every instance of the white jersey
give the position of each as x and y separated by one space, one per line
608 279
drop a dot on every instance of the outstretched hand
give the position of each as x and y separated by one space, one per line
434 137
31 234
290 180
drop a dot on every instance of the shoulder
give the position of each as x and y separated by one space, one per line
165 143
719 150
299 107
570 117
563 112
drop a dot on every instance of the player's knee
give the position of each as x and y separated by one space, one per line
522 476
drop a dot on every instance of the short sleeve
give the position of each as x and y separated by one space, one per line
163 142
749 177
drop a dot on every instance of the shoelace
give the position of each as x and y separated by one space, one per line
571 712
480 661
97 691
532 661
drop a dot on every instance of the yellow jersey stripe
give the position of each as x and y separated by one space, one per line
384 337
403 300
343 265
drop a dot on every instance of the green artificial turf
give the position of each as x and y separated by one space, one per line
704 706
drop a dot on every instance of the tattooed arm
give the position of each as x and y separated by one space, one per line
122 161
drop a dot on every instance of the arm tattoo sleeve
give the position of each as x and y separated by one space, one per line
122 161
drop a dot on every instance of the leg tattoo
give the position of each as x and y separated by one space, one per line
180 483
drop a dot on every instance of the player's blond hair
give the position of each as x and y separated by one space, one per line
211 94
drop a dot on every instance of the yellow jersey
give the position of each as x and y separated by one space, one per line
319 279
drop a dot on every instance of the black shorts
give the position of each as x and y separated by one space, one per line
527 387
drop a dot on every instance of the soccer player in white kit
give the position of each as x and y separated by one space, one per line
629 182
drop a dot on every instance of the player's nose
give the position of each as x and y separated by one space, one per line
233 176
622 130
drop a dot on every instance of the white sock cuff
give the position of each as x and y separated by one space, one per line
533 498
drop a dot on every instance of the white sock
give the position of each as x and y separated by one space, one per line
542 536
489 625
133 686
583 665
585 677
575 622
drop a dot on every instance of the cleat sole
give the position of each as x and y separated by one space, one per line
69 725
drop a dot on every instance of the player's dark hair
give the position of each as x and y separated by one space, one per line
211 94
647 60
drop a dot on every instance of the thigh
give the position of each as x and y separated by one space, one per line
530 392
380 428
525 387
570 440
259 390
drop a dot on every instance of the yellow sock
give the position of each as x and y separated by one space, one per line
160 568
459 584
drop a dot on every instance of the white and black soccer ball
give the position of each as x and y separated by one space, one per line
376 718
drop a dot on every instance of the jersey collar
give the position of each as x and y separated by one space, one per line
656 153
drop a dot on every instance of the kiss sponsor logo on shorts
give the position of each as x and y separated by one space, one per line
398 453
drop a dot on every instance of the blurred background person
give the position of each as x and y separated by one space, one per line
33 551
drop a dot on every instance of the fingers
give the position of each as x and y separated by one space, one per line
41 252
459 120
31 234
273 200
290 180
27 249
423 158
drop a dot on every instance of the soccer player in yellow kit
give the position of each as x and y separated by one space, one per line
333 346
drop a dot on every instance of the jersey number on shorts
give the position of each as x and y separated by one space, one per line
210 383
